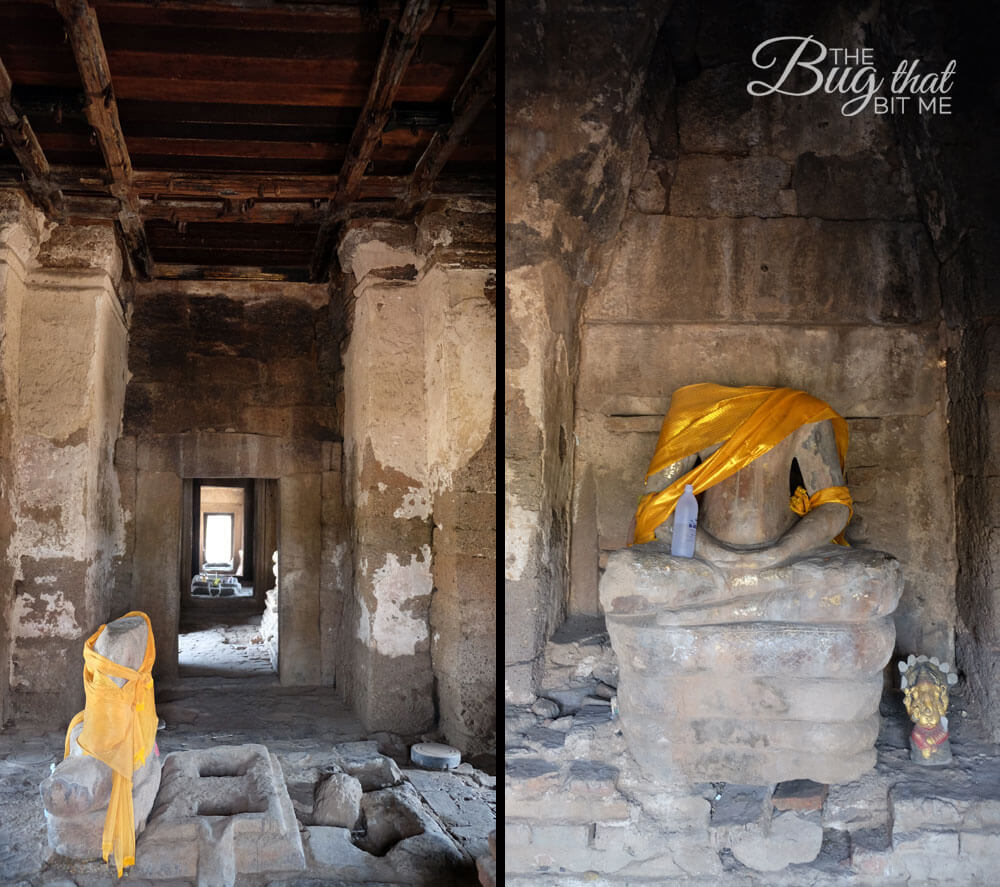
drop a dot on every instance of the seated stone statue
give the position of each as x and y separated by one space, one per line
77 794
925 684
759 659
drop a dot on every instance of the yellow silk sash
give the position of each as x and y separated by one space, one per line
747 421
802 503
119 728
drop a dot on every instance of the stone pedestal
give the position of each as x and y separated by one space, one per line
223 812
751 679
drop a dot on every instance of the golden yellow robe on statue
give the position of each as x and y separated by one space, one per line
747 422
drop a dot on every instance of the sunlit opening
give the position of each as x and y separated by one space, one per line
218 538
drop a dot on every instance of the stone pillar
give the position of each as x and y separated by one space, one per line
385 430
336 568
420 405
70 526
299 543
157 560
460 355
20 228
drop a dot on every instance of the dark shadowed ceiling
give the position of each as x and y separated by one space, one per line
232 138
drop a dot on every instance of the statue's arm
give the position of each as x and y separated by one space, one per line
660 481
816 528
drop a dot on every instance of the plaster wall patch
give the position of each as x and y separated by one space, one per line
52 518
519 526
416 503
58 618
364 624
396 629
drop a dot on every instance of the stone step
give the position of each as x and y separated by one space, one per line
835 585
701 761
689 736
823 700
760 648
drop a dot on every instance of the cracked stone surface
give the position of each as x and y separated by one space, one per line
311 734
582 810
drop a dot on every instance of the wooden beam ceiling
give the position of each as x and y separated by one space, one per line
102 114
245 120
477 90
24 143
397 49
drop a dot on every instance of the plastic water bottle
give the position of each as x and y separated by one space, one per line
685 524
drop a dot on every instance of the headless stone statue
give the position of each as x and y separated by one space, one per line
759 659
76 795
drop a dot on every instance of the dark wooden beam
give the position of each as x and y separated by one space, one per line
235 212
166 184
334 11
24 143
102 114
177 271
478 89
397 49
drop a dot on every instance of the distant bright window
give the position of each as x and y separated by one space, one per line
218 538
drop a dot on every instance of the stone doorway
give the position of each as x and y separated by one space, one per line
228 590
281 481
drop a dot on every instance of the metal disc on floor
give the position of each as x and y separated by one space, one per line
435 756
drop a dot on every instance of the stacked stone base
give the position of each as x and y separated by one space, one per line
580 810
751 678
756 703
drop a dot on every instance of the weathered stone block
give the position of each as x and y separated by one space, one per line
819 700
830 585
666 268
710 186
755 649
890 372
862 186
862 804
338 801
391 815
739 805
802 795
784 125
373 771
787 839
223 810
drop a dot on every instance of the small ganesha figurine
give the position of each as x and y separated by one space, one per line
925 684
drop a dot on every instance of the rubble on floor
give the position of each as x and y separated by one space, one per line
580 811
407 826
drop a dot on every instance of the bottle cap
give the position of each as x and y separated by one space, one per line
688 487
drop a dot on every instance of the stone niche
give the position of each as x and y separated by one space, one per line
155 468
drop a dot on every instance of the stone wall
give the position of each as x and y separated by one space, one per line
574 78
235 380
64 374
771 241
19 232
958 199
238 356
421 484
